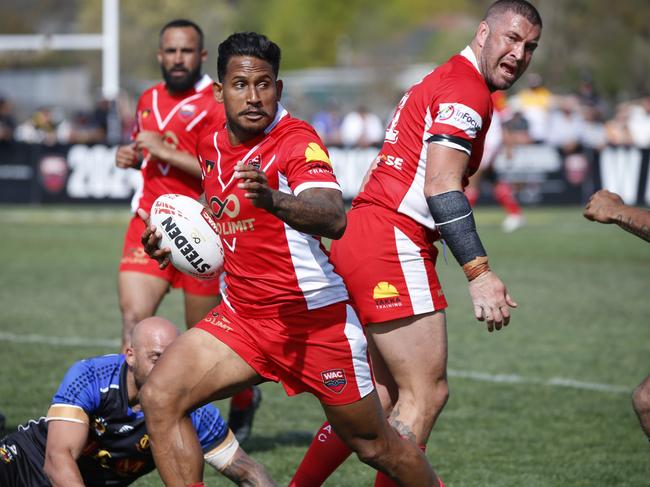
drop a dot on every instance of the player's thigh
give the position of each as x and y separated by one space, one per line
413 350
359 421
198 368
141 293
197 306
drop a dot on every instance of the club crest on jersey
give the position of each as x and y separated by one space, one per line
145 113
187 110
334 379
315 152
386 296
460 116
255 162
209 166
8 452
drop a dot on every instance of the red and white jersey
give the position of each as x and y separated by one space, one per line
270 268
180 118
450 106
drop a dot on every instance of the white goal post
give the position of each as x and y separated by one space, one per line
107 42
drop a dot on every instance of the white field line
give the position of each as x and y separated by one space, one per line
463 374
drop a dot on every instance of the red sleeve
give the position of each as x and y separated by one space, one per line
137 126
461 108
306 163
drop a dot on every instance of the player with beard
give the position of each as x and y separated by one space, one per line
284 317
95 435
411 196
170 117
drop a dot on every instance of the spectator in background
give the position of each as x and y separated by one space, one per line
362 128
39 129
327 123
534 102
565 125
616 129
7 120
639 123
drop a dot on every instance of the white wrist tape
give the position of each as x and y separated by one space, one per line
221 456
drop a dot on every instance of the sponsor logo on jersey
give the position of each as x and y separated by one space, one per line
334 379
209 166
143 443
389 160
229 206
386 296
8 452
128 466
460 116
315 152
255 162
145 112
126 428
187 110
99 425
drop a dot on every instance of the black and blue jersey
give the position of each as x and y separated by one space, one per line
117 450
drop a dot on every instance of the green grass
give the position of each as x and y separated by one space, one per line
584 301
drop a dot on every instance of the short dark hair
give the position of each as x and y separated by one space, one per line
248 44
519 7
179 24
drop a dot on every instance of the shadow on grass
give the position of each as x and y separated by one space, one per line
260 443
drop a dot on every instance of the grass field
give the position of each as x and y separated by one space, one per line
544 403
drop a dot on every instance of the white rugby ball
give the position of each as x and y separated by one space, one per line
189 231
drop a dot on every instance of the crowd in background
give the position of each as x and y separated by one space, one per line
571 122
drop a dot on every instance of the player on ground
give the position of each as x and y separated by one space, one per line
607 207
284 317
413 195
170 117
95 434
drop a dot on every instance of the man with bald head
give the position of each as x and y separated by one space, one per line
94 433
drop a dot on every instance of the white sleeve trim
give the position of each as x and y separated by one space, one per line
316 184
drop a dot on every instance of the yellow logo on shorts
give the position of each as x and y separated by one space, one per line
386 295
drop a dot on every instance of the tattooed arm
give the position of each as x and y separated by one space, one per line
246 472
607 207
315 211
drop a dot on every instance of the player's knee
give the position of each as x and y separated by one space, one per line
158 402
371 452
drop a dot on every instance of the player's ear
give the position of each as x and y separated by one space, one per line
159 56
217 89
204 55
482 33
129 356
278 88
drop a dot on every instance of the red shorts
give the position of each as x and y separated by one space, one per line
134 259
322 351
388 262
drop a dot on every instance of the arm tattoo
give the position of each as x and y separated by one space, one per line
634 227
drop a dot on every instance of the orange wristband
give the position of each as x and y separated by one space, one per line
476 267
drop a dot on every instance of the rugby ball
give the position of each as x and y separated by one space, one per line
188 230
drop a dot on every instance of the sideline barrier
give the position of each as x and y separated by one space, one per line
39 174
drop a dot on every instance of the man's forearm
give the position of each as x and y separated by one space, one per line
182 160
634 220
62 470
313 216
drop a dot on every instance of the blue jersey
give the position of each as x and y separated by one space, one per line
117 451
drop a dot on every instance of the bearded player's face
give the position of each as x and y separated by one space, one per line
180 57
250 93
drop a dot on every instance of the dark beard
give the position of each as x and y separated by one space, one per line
177 85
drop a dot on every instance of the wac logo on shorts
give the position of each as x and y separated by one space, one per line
334 379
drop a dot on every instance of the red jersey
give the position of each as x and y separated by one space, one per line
271 269
180 118
450 106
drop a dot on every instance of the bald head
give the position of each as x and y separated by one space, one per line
149 339
153 329
518 7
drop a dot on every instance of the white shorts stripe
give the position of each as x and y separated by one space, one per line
358 347
415 274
